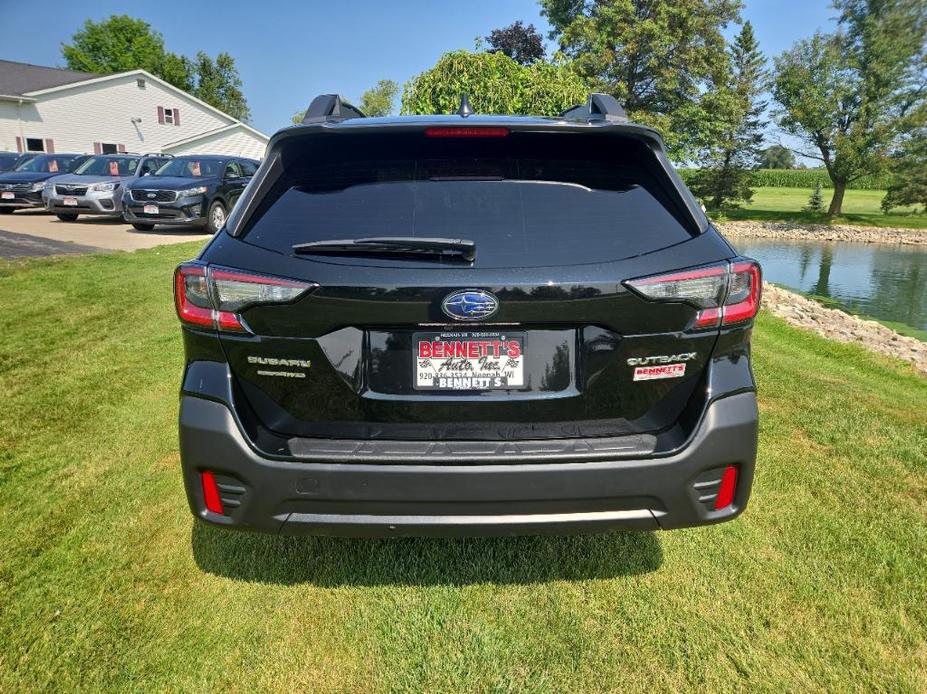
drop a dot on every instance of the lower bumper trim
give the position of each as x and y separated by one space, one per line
468 525
364 498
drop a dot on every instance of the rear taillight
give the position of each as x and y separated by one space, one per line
213 297
743 294
725 294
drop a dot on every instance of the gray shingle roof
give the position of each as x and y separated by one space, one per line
17 79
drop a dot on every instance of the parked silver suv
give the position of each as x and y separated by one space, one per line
95 188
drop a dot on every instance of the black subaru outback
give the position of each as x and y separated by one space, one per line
467 325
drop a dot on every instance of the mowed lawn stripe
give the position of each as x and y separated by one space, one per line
107 583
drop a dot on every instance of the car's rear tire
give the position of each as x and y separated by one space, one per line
215 220
6 210
142 227
67 217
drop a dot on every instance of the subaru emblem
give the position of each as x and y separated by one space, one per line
152 196
470 304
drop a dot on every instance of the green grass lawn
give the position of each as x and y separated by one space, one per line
106 582
859 207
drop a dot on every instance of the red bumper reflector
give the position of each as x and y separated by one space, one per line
211 492
726 490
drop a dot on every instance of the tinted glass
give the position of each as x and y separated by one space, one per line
48 163
248 168
108 166
526 201
7 161
232 170
192 167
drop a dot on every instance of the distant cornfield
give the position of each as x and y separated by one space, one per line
801 178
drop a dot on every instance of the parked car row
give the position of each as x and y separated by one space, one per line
143 189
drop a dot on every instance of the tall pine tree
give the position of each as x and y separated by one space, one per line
725 176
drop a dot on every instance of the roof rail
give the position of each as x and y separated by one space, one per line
597 107
330 107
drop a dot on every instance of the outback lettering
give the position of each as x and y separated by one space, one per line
661 359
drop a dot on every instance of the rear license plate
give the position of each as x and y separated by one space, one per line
70 202
465 361
7 196
150 209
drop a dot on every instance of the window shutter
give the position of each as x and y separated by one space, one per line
121 148
176 116
49 145
98 148
161 115
19 144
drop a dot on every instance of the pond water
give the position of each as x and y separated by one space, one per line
881 281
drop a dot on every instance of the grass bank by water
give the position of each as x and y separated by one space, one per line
859 207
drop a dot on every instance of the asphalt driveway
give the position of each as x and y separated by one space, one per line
34 233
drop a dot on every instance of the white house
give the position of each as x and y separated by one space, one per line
45 109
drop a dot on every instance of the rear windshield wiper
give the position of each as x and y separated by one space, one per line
391 245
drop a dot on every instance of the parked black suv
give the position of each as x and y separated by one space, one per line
193 191
10 160
22 188
467 325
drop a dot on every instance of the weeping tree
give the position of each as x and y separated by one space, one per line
495 83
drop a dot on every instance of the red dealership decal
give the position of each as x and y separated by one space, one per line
470 349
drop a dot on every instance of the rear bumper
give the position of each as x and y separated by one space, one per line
382 499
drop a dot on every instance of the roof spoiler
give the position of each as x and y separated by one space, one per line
330 107
597 107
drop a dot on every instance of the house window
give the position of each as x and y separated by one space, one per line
35 144
108 148
168 116
140 82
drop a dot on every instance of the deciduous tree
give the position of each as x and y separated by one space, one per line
122 43
218 84
909 173
660 58
777 157
521 43
379 100
854 95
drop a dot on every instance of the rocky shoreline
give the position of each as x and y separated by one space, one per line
843 327
824 232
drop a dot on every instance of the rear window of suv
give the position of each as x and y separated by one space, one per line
526 200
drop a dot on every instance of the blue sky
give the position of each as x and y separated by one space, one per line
289 52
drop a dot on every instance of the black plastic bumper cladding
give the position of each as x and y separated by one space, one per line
364 499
